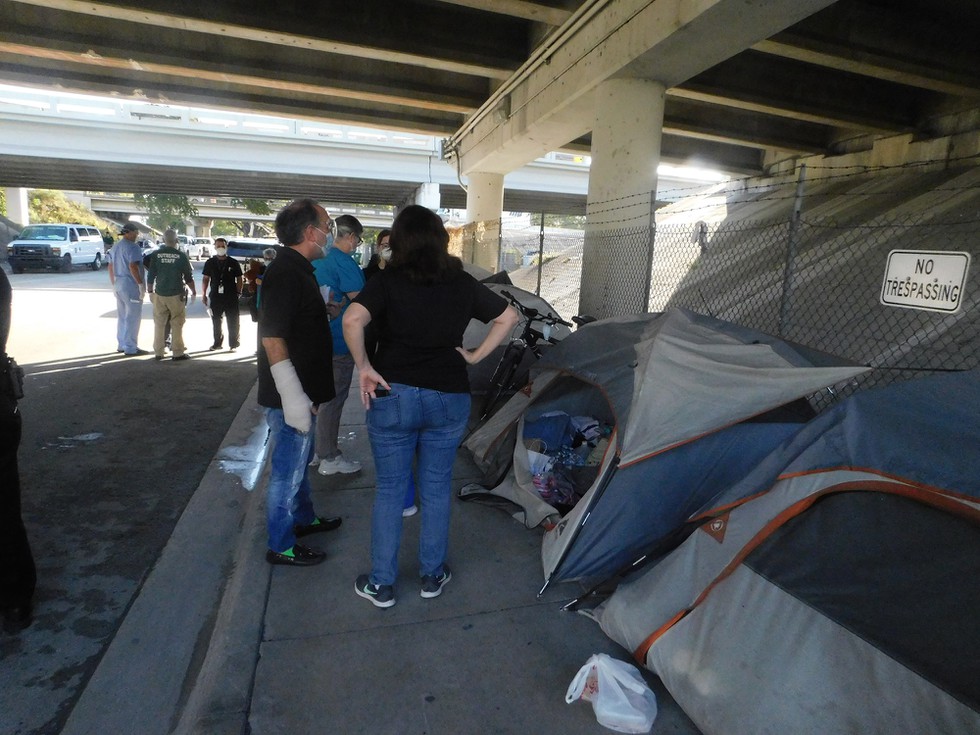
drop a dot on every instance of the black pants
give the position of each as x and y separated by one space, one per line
227 305
18 576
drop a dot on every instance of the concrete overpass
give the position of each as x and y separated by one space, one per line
97 144
746 86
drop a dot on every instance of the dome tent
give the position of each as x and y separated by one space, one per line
680 390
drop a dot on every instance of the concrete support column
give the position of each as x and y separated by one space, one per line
17 208
618 249
484 209
427 195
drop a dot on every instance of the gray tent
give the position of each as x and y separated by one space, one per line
835 589
680 390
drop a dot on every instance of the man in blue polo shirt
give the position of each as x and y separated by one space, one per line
295 376
343 276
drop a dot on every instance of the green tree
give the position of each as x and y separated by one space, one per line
3 203
248 227
45 205
567 221
166 210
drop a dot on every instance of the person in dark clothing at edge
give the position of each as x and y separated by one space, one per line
416 389
295 364
221 286
18 576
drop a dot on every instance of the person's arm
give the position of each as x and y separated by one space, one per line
6 301
134 268
205 280
355 320
112 275
297 408
189 278
502 326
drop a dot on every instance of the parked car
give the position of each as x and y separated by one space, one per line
56 245
196 247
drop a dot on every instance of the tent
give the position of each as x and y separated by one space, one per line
835 589
680 392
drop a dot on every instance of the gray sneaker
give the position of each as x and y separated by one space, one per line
380 595
339 464
432 586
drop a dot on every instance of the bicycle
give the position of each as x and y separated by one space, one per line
510 374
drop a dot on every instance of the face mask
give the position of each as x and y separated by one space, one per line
268 260
385 253
327 244
221 251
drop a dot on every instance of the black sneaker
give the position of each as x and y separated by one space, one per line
319 525
297 556
380 595
432 586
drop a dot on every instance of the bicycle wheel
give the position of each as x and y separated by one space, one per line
502 380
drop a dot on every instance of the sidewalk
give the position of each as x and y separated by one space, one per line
218 641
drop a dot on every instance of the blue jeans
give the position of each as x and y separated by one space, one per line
288 501
432 424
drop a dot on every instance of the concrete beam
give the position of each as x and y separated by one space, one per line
548 102
276 80
842 57
907 43
229 31
518 9
790 89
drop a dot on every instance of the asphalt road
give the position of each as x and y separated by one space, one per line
113 448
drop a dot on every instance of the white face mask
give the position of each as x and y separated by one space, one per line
268 260
385 253
328 242
221 251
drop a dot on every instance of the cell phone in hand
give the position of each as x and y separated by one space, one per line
381 392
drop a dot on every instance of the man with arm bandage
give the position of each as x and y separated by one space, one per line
295 375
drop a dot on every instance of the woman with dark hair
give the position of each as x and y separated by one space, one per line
416 390
382 254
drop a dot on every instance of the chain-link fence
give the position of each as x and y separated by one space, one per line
815 280
819 283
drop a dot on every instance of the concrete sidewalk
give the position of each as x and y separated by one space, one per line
218 641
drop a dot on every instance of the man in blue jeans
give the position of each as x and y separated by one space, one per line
295 376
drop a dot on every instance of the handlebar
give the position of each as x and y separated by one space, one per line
532 314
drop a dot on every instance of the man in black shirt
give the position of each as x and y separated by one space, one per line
222 283
18 576
295 361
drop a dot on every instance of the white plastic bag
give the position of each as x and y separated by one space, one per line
620 697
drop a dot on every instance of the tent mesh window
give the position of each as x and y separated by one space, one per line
900 574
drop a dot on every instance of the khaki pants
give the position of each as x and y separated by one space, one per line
170 308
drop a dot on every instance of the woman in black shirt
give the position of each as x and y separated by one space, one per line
416 389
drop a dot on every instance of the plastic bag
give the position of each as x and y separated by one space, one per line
620 697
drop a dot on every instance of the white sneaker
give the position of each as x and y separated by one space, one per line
339 464
410 511
315 461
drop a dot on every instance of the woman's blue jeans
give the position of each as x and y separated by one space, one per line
409 421
288 501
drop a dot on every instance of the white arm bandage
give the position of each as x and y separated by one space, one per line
296 405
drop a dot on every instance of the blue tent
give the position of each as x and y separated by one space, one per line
691 400
834 588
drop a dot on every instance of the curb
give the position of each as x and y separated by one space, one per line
159 657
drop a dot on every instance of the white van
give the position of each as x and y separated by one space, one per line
56 245
200 247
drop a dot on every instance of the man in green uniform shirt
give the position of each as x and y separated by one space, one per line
168 272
